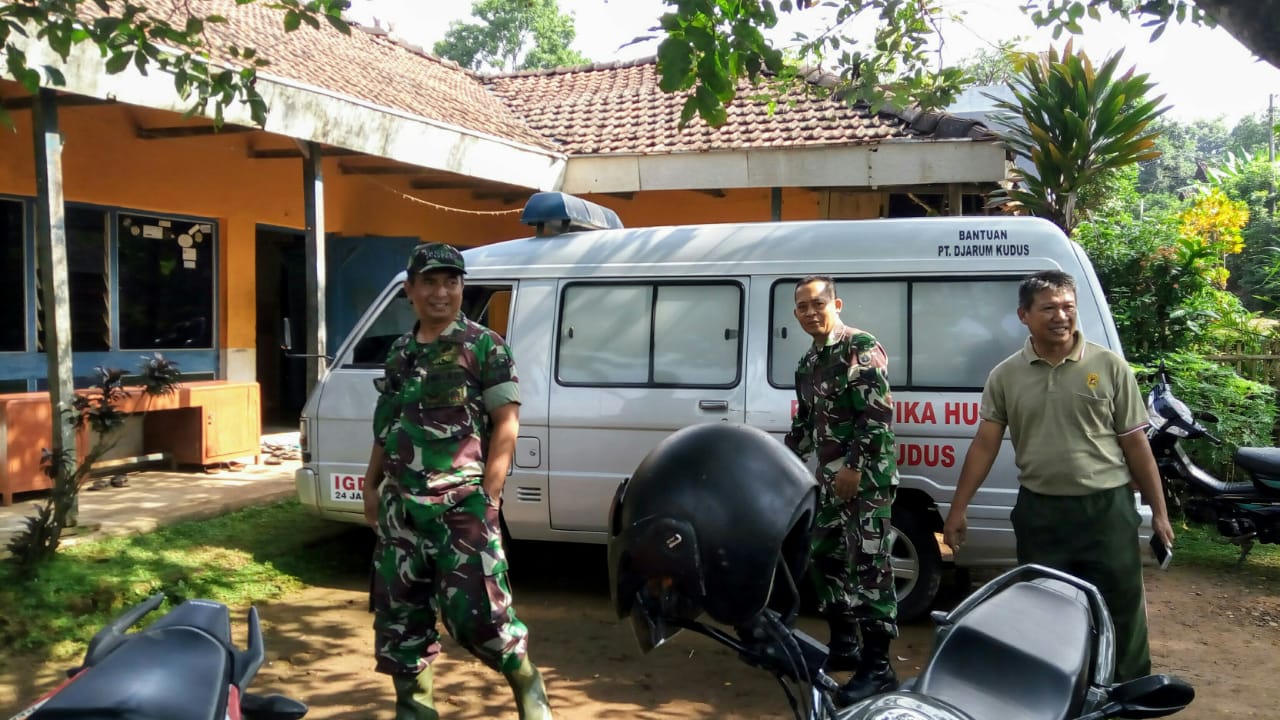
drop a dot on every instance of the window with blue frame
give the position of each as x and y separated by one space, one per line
87 282
13 316
166 282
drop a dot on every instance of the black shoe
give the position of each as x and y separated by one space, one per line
866 683
876 675
843 652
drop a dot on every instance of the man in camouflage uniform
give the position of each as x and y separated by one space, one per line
845 414
445 429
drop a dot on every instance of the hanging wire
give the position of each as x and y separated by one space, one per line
438 206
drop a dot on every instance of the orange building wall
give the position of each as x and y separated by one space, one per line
680 207
212 176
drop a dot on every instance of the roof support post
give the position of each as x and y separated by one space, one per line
313 211
51 254
955 199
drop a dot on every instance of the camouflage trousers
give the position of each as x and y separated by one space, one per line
442 559
850 548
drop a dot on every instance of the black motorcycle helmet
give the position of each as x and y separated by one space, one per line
703 524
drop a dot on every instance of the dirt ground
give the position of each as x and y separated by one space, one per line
1219 633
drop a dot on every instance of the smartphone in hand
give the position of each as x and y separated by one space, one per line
1162 552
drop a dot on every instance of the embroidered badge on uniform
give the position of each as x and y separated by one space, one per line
1092 381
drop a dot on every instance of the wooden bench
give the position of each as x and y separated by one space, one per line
200 423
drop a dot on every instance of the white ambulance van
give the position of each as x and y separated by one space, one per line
622 336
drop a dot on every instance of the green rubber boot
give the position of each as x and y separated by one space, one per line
414 699
531 694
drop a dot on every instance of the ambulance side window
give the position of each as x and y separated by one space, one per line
960 330
940 334
650 334
371 349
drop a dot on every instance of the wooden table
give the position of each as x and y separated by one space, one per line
200 423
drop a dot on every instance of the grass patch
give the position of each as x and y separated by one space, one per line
241 558
1200 546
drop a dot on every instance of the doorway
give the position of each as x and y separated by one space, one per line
280 262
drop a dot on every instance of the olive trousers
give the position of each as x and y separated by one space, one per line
1095 538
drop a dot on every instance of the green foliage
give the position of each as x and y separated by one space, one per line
1246 410
41 534
1111 193
513 35
996 65
1201 547
1149 288
1184 149
712 44
1163 275
98 409
1250 134
1073 122
176 41
159 374
1256 271
238 559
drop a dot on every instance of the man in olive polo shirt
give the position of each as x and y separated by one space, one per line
1076 418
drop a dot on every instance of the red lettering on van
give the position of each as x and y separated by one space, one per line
914 455
918 413
348 482
954 413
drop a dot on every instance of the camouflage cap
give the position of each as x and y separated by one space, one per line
435 256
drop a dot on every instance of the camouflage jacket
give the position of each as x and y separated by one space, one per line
432 416
845 408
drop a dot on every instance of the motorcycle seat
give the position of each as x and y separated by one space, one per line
1026 653
1262 463
173 673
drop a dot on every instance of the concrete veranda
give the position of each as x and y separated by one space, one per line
154 498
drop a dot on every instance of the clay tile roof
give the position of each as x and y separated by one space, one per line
618 108
364 65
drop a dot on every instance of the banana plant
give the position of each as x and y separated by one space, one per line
1074 122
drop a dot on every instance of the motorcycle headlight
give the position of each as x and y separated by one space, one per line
1169 414
902 705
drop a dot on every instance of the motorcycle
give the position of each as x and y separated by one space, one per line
1034 643
1244 512
183 666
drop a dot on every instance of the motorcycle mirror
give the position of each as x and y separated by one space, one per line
271 707
1152 696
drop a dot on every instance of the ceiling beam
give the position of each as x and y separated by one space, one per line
350 169
440 183
184 131
506 197
294 153
24 103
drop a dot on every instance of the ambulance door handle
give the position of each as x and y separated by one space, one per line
716 405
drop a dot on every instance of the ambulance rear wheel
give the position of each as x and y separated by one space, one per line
917 563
